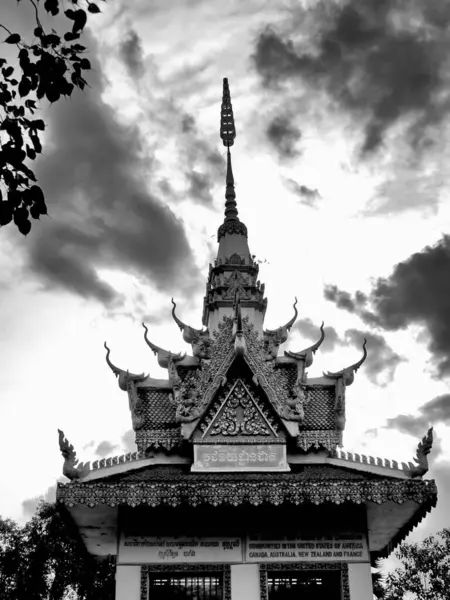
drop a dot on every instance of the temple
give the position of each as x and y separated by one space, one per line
239 488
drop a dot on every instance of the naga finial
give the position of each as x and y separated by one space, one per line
72 469
190 335
273 338
307 353
421 458
348 373
163 355
123 376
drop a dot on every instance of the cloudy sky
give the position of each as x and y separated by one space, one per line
341 165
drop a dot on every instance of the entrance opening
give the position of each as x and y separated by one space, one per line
186 586
304 585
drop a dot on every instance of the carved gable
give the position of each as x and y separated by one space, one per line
238 414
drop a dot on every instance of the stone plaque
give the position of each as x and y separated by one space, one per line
346 548
240 457
168 550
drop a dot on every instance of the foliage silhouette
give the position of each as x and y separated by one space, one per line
47 560
425 570
49 67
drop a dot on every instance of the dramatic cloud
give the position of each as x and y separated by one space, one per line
204 166
105 448
130 52
416 292
284 135
128 443
381 362
382 61
200 188
311 331
94 172
434 412
344 299
307 196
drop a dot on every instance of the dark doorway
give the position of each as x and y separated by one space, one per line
304 585
180 586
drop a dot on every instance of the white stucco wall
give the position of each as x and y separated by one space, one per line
128 582
360 581
245 582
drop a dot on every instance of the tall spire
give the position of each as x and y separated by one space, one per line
228 133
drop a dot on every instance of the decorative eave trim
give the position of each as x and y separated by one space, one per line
107 467
404 531
273 488
350 460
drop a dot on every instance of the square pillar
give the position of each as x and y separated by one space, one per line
360 581
128 582
245 582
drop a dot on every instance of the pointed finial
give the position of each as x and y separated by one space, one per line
227 127
231 224
228 133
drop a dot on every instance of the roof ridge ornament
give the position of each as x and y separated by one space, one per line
123 376
273 338
189 333
421 458
348 373
307 353
72 469
163 355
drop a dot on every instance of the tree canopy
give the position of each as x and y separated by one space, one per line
425 570
49 67
47 560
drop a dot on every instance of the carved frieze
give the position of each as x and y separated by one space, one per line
231 226
239 414
321 438
253 489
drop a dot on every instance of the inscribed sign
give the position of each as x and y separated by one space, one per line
155 549
240 457
337 548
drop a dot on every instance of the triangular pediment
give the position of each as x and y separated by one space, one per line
240 414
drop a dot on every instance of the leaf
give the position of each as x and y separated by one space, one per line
79 20
6 212
37 124
14 38
24 226
7 72
24 87
37 195
31 153
70 37
2 62
38 32
93 8
36 143
35 211
85 64
51 6
70 14
53 94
